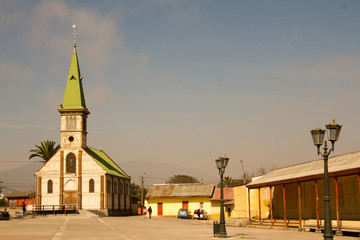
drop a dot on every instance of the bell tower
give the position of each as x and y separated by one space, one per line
73 109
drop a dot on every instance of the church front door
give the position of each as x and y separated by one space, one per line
70 197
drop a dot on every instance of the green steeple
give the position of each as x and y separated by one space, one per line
74 98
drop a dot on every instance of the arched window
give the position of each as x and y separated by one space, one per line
74 123
91 185
71 122
121 188
50 186
70 163
67 123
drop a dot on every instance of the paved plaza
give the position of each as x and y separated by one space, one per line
134 227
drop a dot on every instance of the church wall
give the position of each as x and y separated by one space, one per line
50 171
122 192
117 199
91 170
116 193
109 192
128 203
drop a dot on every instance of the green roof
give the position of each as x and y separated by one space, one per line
106 163
74 94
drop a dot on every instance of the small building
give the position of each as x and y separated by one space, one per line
15 199
228 203
167 199
296 194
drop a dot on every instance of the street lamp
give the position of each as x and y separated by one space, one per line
318 138
221 164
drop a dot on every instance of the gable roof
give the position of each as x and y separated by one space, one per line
18 195
341 165
228 194
181 190
106 163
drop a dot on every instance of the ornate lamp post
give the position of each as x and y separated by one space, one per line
318 138
221 164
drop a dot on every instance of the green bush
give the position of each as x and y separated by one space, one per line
2 202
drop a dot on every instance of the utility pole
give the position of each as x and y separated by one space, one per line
142 194
242 165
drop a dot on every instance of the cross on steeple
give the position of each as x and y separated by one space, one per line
74 33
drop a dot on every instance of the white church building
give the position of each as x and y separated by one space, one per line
78 174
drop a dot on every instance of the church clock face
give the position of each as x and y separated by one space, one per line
71 139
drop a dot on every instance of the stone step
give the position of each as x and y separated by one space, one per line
87 213
97 213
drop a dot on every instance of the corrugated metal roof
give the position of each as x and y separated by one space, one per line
106 162
228 194
338 165
181 190
18 195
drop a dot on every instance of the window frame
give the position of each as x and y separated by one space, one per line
91 186
50 186
70 163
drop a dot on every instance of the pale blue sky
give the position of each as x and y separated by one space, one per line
184 81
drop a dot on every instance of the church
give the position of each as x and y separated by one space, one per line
78 174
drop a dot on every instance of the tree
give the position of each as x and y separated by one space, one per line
262 171
232 182
135 191
45 151
182 179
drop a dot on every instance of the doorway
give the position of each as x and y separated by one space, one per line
160 209
70 197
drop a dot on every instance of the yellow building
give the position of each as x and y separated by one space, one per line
167 199
228 203
241 203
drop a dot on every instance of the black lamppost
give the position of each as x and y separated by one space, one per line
221 164
318 138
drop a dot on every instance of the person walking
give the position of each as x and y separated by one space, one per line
149 211
23 207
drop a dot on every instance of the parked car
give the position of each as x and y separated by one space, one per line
184 213
203 215
200 214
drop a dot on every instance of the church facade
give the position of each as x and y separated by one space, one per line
78 174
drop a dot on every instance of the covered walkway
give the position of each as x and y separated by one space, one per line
296 193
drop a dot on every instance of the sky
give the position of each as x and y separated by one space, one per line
184 82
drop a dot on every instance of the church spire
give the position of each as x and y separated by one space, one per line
74 98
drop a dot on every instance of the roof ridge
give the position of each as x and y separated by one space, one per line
115 163
105 162
320 159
